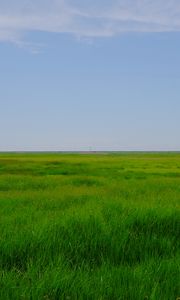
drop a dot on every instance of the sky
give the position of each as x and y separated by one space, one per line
89 75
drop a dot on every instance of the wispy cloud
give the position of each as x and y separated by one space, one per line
87 18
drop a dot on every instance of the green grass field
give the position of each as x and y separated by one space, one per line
90 226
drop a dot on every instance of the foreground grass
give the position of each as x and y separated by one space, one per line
89 226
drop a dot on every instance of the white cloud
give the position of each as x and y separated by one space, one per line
87 18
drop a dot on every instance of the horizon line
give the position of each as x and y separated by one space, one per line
89 151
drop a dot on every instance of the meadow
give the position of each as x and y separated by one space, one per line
90 226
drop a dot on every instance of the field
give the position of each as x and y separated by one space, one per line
90 226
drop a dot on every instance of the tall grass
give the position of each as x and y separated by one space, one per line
90 226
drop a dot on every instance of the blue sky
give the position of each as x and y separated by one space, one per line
80 75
